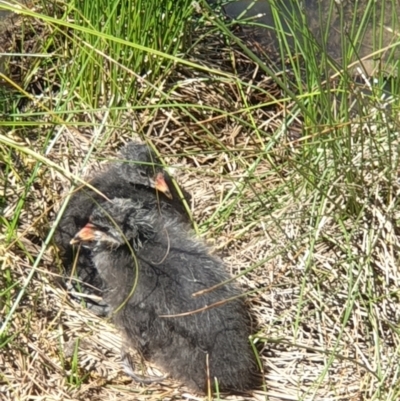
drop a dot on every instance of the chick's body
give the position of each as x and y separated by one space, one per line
171 267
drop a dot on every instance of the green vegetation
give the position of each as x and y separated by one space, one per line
291 156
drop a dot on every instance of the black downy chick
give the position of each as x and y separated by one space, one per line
158 313
137 175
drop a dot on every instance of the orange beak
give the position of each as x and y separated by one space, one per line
161 185
86 234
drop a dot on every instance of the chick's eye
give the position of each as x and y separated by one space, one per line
142 174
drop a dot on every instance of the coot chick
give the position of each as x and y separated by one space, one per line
137 175
152 267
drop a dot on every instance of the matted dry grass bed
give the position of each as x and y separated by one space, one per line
327 287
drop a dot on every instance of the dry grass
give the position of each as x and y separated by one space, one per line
327 288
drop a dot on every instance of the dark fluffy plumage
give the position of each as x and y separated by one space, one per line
133 176
171 266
